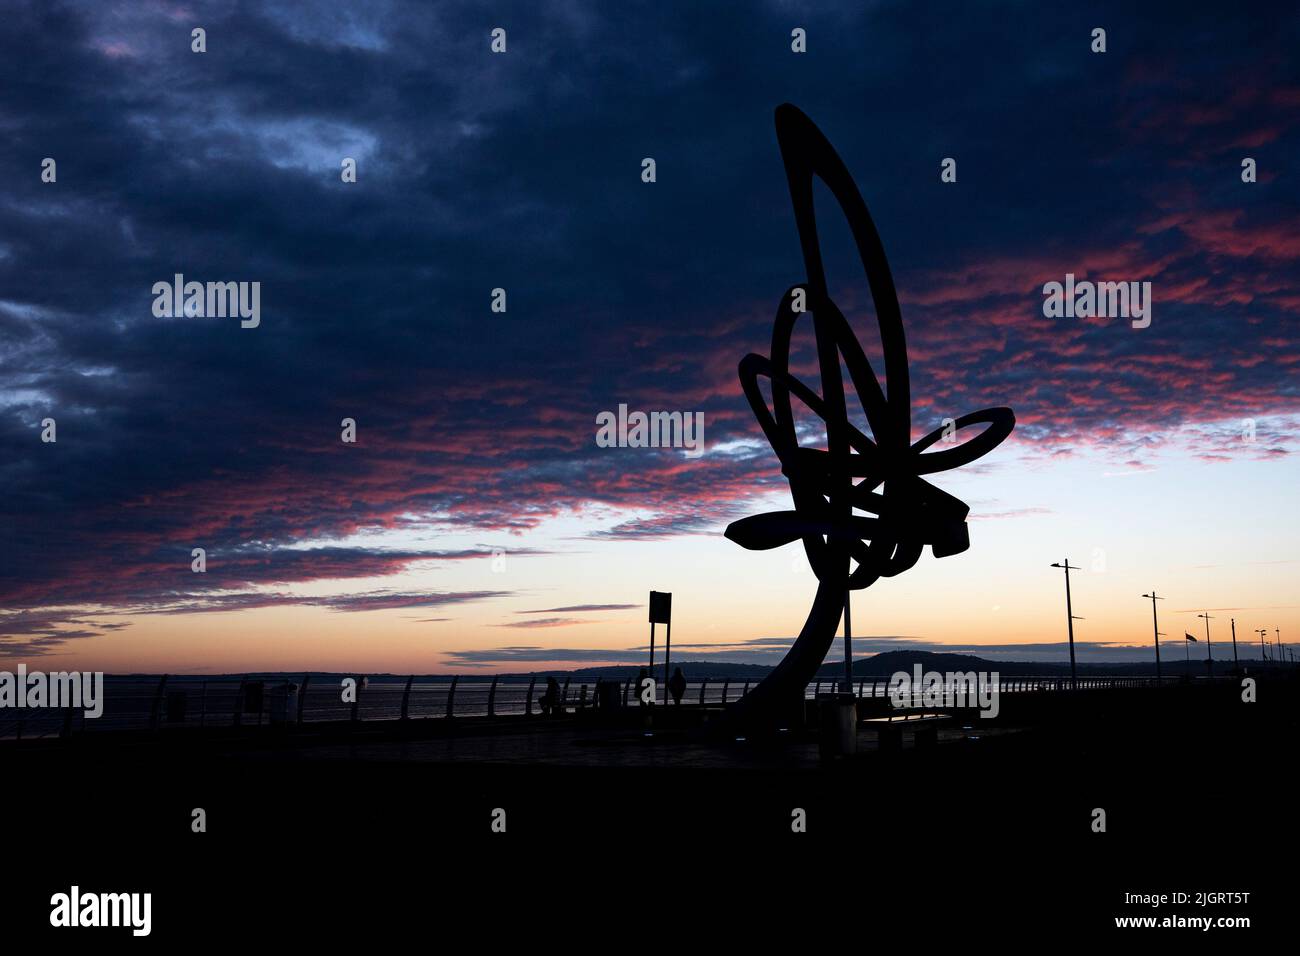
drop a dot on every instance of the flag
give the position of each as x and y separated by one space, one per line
1189 637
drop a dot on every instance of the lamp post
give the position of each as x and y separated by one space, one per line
1209 655
1155 626
848 646
1261 631
1236 665
1278 632
1069 620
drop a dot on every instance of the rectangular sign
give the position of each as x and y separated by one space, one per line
661 607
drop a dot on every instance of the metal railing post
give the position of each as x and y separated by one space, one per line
157 703
703 686
528 701
356 699
406 697
239 702
451 697
492 696
302 696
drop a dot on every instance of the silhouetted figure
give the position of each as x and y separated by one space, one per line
677 685
550 701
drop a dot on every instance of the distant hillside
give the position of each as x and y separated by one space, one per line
887 663
877 666
882 665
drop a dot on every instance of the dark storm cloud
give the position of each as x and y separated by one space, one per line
521 171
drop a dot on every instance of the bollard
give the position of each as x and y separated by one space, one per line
837 720
608 701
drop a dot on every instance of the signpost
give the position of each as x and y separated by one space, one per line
661 612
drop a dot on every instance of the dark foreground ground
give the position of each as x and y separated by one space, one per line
364 840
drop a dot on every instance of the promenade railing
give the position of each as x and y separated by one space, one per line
155 703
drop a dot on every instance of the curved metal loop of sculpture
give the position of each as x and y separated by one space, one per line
829 485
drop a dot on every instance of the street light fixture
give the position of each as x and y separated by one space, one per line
1209 655
1069 620
1155 626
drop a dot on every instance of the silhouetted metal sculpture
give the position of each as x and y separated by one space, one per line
909 511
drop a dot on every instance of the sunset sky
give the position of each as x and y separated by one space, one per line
475 524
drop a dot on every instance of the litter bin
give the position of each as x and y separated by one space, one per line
838 724
284 703
609 697
252 702
176 707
